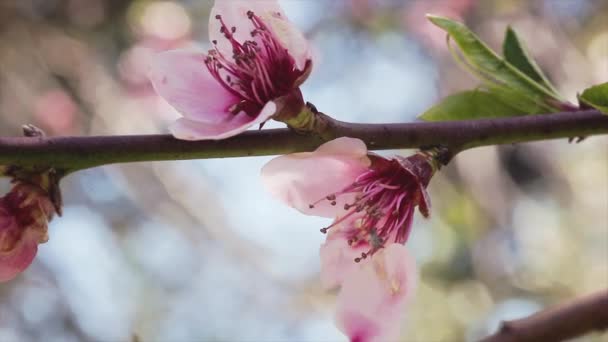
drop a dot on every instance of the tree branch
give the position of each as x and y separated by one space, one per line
563 322
74 153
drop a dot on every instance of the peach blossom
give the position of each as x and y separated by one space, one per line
372 200
259 59
341 179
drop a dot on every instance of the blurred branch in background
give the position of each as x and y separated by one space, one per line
580 316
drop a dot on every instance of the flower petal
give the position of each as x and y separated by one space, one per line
373 298
234 14
19 256
182 79
15 262
290 37
338 258
345 146
232 125
301 179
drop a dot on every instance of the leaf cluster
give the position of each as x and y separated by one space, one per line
512 84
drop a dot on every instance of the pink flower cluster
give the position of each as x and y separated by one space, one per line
372 201
252 74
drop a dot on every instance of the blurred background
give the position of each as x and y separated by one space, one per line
197 251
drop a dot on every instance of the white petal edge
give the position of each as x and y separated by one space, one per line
186 129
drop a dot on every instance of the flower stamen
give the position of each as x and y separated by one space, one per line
259 69
385 198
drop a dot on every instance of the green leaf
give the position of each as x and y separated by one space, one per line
489 66
596 97
524 103
516 53
481 103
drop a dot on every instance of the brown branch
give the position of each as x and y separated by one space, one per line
581 316
74 153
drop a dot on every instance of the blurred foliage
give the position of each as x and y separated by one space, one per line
183 251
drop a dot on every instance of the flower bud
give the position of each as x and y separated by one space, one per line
24 215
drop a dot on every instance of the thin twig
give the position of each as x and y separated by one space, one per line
581 316
75 153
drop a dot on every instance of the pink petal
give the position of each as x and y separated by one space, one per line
182 79
234 14
291 38
22 254
345 146
373 298
337 260
360 328
18 260
300 179
232 125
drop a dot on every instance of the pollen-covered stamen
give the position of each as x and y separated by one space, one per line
337 222
375 242
258 71
385 198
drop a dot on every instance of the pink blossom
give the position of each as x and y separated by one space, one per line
253 72
24 215
372 200
341 179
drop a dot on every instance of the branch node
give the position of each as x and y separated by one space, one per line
32 131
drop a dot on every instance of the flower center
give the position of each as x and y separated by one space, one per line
385 198
258 71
